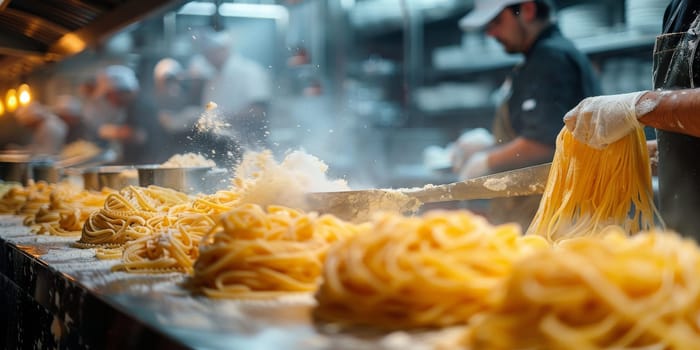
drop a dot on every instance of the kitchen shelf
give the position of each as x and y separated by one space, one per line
390 25
593 45
466 112
615 42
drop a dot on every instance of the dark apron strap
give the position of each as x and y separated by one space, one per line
510 209
672 19
675 66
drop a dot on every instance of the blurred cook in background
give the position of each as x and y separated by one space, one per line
70 110
553 78
240 87
178 103
129 120
48 131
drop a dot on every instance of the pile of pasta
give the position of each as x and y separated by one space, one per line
68 208
170 241
173 249
256 252
175 246
589 189
132 213
614 292
26 200
436 270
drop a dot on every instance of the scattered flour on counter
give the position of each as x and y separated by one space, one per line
124 282
499 184
186 320
67 254
289 299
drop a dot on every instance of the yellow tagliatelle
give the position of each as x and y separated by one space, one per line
13 198
27 202
435 270
616 292
174 244
254 253
589 189
128 215
171 249
67 210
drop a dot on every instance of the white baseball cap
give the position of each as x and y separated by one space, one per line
166 68
484 11
116 78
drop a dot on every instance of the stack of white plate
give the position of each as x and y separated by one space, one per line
583 20
645 16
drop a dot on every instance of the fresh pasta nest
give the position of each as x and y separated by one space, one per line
435 270
615 292
589 189
258 253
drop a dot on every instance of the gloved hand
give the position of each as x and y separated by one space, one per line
468 143
601 120
477 165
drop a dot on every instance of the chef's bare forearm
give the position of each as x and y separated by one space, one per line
519 153
671 110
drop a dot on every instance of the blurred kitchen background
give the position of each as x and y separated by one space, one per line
365 85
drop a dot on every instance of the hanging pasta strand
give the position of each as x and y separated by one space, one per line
589 189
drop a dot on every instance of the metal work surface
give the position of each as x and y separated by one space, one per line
56 296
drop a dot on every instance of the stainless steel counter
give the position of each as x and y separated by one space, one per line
56 296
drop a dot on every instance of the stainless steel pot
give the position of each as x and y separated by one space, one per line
185 179
112 176
15 167
45 170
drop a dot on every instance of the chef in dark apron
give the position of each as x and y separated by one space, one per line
553 78
676 66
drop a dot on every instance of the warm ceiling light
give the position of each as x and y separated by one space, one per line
69 44
24 94
2 108
11 100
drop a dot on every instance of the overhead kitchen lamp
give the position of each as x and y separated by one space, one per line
24 95
11 100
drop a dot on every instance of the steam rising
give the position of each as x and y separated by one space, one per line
261 180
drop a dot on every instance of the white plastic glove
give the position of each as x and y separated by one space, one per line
601 120
467 144
477 165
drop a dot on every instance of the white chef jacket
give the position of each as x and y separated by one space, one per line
240 83
49 136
